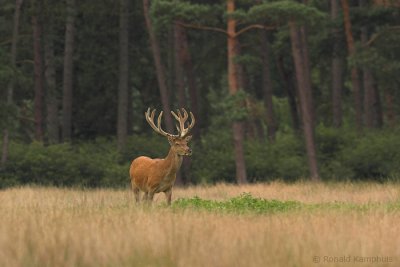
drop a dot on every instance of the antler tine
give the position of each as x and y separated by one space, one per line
181 122
159 125
180 119
192 122
150 119
175 116
185 114
180 116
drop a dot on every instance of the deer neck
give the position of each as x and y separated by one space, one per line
173 161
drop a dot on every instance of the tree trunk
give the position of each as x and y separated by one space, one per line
180 85
290 91
68 71
354 72
170 61
378 116
187 65
38 71
267 85
299 51
52 122
390 113
237 127
307 71
10 88
337 70
179 77
123 85
160 71
369 95
372 105
368 83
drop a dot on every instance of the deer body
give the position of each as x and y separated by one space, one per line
153 176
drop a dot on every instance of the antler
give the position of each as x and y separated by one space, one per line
182 131
158 129
182 119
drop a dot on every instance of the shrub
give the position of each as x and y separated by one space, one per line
341 154
283 159
213 158
88 165
375 156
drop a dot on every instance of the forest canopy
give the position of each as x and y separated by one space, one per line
281 89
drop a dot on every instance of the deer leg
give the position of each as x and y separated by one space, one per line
145 197
150 196
168 196
136 192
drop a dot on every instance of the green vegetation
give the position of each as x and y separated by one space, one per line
373 156
193 54
246 203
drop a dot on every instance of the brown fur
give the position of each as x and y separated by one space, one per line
153 176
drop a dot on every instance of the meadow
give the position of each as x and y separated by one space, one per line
274 224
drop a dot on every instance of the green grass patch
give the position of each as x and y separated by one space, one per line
246 203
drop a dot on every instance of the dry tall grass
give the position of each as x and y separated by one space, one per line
61 227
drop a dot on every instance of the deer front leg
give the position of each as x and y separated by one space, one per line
168 196
136 191
150 196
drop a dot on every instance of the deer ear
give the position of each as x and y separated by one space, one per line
188 138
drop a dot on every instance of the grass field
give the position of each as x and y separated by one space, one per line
277 224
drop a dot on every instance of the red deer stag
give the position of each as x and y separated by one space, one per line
158 175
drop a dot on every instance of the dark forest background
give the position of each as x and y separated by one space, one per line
281 89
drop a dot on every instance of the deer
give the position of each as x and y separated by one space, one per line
156 175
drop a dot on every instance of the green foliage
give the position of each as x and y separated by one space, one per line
330 145
228 108
152 145
212 158
88 165
375 156
283 159
279 12
8 115
245 203
164 12
342 156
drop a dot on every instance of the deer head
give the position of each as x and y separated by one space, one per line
178 142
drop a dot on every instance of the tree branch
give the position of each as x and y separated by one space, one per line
377 35
254 26
201 27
